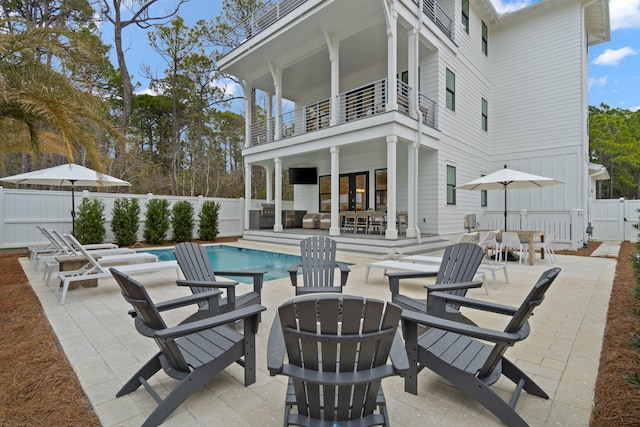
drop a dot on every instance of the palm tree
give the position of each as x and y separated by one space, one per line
41 108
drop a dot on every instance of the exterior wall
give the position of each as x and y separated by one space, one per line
462 144
534 79
537 107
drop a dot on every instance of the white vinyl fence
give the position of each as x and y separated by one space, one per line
567 229
614 219
22 210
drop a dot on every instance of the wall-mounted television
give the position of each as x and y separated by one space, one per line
303 176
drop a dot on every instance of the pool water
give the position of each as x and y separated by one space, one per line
225 257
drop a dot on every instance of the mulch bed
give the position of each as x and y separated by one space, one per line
616 402
39 388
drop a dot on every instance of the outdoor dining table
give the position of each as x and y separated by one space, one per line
528 236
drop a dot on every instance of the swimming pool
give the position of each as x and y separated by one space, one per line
225 257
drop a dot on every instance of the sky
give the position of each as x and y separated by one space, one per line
614 66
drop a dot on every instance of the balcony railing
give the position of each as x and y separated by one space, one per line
434 12
362 102
428 109
356 104
273 10
263 17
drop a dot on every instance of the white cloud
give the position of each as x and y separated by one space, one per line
624 14
602 81
230 88
636 108
147 91
505 6
613 57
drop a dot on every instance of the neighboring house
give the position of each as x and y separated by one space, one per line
389 104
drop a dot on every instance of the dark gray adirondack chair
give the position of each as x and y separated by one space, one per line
338 348
318 256
459 265
452 350
193 260
193 352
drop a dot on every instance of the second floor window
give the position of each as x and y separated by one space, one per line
451 90
451 185
485 115
465 15
485 39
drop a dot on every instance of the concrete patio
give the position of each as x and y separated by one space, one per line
561 353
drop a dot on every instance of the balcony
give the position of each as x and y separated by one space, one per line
274 10
356 104
259 20
435 13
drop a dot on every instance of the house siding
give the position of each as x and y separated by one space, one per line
534 80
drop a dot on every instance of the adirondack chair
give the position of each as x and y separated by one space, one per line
318 254
459 265
452 350
194 261
192 352
337 347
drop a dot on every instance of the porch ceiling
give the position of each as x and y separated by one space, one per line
300 49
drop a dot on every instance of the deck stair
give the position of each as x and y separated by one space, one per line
365 245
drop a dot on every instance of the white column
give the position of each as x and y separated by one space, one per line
247 113
269 183
333 44
278 177
412 190
392 182
391 17
247 194
335 192
413 70
276 74
269 114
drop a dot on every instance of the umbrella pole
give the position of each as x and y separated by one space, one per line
73 210
505 208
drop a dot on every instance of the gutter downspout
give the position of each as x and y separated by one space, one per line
416 148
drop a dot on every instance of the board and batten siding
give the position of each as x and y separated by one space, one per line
538 102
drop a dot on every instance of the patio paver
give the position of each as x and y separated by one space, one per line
561 353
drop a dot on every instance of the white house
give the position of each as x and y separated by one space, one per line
389 104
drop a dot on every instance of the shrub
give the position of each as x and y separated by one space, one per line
209 220
182 221
124 224
156 222
90 221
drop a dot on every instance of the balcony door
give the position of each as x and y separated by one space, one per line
354 191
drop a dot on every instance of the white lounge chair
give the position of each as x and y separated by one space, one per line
106 260
68 246
486 264
410 266
93 270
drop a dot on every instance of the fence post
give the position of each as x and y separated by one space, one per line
3 235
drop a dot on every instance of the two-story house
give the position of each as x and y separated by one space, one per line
389 104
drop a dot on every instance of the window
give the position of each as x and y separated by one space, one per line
325 193
485 115
451 90
451 185
381 189
465 15
485 39
483 197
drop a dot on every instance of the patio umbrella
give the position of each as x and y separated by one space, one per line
508 179
67 175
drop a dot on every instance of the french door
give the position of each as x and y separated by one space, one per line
354 191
